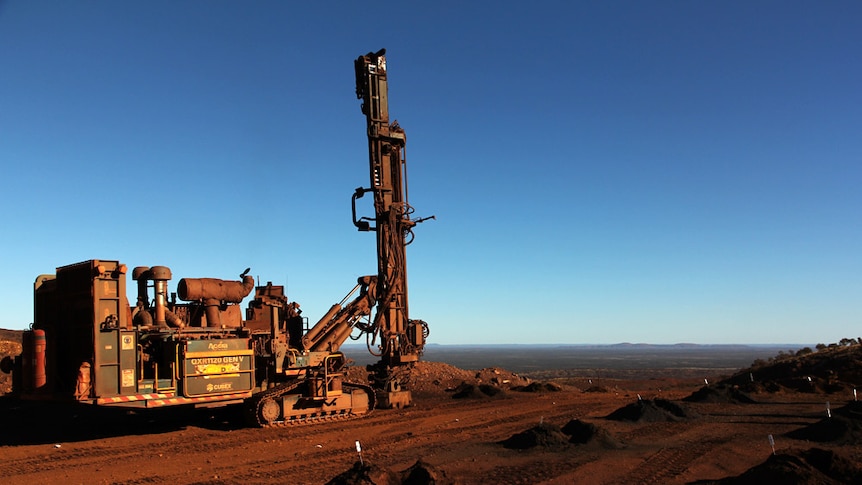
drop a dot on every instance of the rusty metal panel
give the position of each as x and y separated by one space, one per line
107 378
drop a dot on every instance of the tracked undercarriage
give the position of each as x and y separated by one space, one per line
287 405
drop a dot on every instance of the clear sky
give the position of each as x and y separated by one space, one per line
601 172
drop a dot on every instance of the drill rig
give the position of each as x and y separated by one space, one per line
194 347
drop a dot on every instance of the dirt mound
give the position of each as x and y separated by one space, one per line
837 429
366 474
11 335
421 473
538 387
652 411
581 433
435 377
474 391
546 436
844 427
597 389
424 377
720 394
500 378
852 409
809 467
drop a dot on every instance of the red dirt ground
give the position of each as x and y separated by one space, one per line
490 426
461 438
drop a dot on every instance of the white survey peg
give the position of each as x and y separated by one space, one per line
772 444
359 450
854 394
828 410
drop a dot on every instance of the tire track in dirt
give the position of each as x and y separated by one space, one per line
94 457
471 415
66 458
668 462
656 431
59 460
531 471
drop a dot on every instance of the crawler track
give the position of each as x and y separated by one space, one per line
255 408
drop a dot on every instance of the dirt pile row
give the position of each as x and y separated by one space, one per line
421 473
539 387
720 393
476 391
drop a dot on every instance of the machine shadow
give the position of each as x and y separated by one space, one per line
51 423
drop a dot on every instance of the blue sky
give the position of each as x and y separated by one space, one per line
600 171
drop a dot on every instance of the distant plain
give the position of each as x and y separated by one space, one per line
619 360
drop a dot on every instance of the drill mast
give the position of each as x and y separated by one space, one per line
401 339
